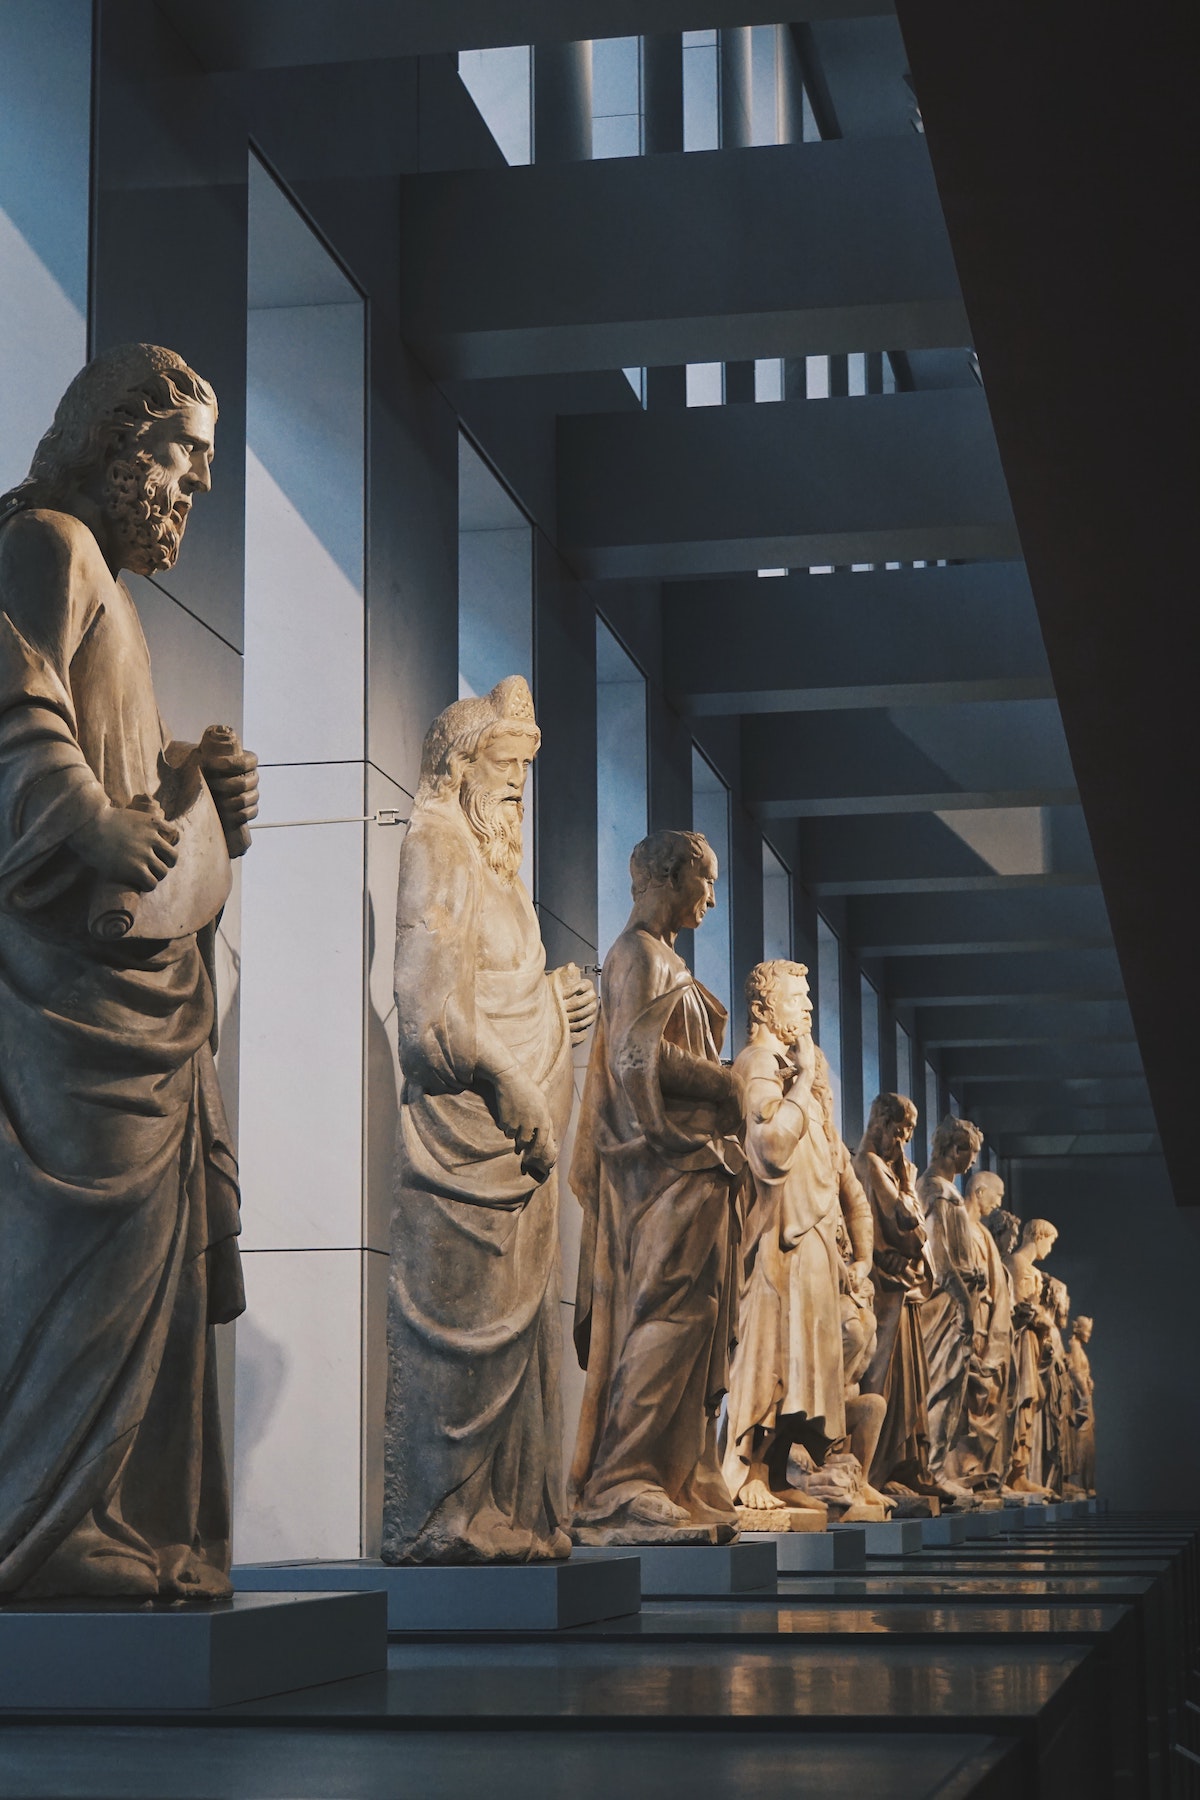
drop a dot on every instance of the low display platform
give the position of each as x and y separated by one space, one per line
95 1656
820 1551
898 1537
698 1569
983 1525
948 1528
547 1596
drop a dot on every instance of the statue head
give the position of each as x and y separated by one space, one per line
1005 1227
680 869
890 1125
133 434
986 1189
1082 1328
1040 1236
777 997
479 752
957 1142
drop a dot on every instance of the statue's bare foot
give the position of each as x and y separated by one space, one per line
756 1496
798 1500
873 1497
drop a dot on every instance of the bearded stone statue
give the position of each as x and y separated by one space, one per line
473 1444
118 1188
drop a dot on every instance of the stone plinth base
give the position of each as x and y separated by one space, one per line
684 1569
76 1655
814 1552
545 1596
947 1528
898 1537
983 1524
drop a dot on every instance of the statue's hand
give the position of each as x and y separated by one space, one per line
580 999
232 777
131 846
522 1115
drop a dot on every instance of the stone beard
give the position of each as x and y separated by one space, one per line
119 1205
473 1442
148 513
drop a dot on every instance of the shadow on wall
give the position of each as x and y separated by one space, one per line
1129 1256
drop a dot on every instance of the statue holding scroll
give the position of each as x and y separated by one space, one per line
118 1198
655 1167
473 1437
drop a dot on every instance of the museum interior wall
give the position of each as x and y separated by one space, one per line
381 540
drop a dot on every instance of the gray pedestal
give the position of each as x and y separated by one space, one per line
897 1537
1034 1515
72 1655
683 1569
483 1597
983 1524
948 1528
814 1552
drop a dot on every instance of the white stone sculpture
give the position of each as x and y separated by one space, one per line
901 1278
1027 1394
119 1206
655 1166
473 1461
949 1323
788 1381
1083 1394
981 1453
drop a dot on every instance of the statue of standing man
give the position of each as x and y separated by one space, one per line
473 1439
656 1161
118 1186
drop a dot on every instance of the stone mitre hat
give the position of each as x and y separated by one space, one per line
463 726
97 393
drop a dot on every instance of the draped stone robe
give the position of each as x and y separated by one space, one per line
985 1434
118 1188
788 1368
898 1369
1082 1472
657 1280
473 1441
1025 1392
949 1316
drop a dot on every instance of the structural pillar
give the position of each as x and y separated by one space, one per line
562 102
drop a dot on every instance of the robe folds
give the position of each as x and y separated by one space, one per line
118 1186
473 1441
950 1316
898 1369
655 1177
788 1368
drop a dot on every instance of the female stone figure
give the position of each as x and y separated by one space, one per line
983 1445
1029 1328
1083 1394
948 1317
1053 1445
900 1274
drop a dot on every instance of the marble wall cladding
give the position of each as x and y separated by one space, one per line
298 1423
380 1055
302 1012
374 1395
45 80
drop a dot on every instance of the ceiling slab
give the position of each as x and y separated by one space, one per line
824 248
720 489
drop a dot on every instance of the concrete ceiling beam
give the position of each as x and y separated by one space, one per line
272 34
562 267
981 1070
1037 1022
850 640
1000 980
977 924
795 484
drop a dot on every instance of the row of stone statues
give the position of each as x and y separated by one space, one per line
722 1215
769 1325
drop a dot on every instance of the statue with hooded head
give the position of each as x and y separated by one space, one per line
473 1453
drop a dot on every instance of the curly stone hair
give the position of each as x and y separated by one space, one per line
957 1134
658 858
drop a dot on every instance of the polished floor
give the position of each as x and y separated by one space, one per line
1045 1663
